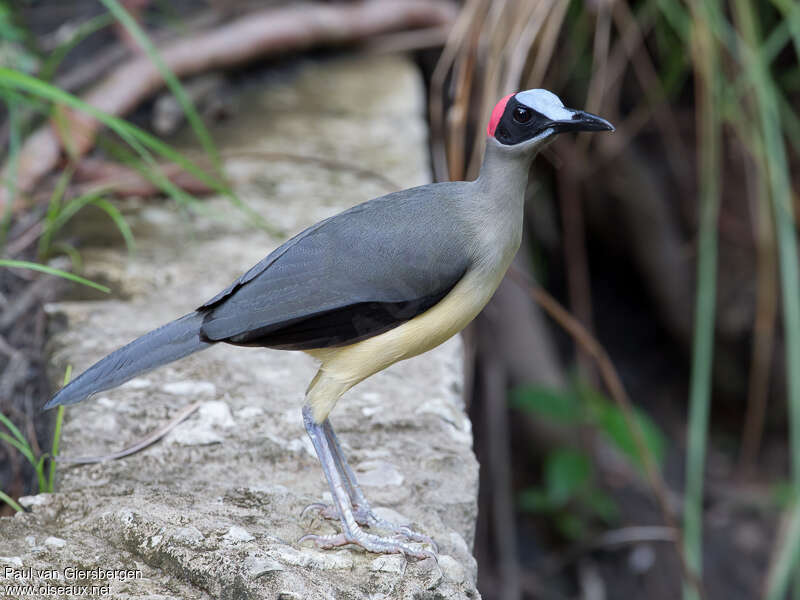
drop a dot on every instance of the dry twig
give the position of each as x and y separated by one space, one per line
145 442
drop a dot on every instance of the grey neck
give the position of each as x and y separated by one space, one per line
505 169
495 212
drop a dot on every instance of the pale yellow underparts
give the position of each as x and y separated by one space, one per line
345 366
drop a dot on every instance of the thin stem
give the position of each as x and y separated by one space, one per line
706 74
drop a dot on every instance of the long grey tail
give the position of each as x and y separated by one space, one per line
159 347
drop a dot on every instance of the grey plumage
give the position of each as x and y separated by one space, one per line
315 290
159 347
394 256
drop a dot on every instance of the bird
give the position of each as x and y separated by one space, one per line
378 283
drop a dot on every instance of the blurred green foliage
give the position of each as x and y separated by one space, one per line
13 50
582 405
569 494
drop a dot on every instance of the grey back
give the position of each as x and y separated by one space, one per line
397 255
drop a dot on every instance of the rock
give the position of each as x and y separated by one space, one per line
213 510
190 536
190 388
258 567
318 560
38 500
237 534
204 426
389 564
452 569
139 383
378 473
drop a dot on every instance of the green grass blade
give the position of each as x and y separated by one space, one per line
24 448
19 442
706 73
83 31
12 428
54 448
10 78
677 16
783 569
40 473
775 42
141 38
71 252
142 161
791 16
71 208
53 210
94 197
10 178
122 225
787 253
26 451
8 500
791 122
777 166
137 138
24 264
778 175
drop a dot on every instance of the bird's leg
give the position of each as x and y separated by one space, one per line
351 532
363 512
357 500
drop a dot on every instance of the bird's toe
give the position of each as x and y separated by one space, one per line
369 542
326 511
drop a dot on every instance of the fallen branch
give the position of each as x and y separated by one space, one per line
256 35
92 174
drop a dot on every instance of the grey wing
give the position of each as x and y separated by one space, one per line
347 278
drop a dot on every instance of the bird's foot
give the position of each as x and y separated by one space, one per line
365 517
368 541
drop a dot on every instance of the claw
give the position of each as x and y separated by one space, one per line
369 542
404 531
416 536
366 518
321 507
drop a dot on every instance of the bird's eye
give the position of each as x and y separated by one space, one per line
522 115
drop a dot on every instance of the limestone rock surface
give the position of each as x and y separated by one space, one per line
212 510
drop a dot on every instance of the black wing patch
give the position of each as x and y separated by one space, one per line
339 327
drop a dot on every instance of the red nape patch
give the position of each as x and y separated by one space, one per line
497 113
